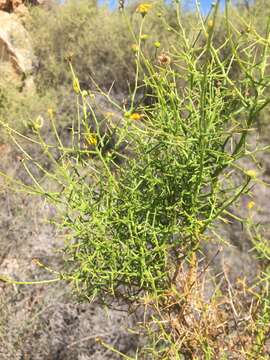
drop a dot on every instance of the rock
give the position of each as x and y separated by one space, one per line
17 3
15 49
5 5
13 5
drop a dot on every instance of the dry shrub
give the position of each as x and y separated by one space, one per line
206 317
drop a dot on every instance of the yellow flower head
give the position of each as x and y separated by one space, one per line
251 173
210 24
157 44
144 37
76 85
135 47
50 112
135 116
250 205
143 9
84 93
91 139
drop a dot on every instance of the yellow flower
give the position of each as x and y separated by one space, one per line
98 340
135 116
251 173
210 24
250 205
157 44
135 47
50 112
76 85
144 37
143 9
84 93
91 139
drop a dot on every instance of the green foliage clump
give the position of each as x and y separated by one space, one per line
135 205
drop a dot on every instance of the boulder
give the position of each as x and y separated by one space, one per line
5 5
16 52
14 5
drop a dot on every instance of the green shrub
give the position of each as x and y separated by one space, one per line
132 211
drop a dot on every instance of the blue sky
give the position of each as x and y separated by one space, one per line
205 4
